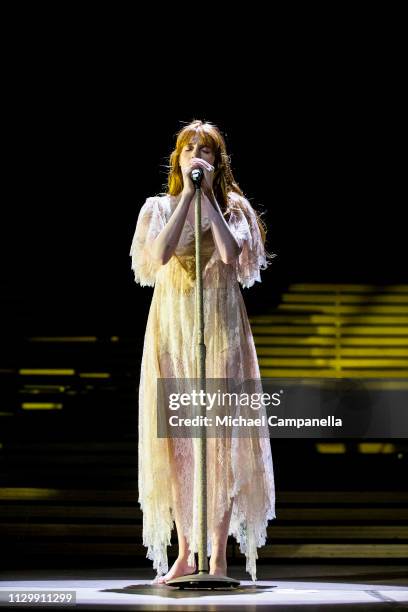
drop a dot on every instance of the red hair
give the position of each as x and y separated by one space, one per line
224 181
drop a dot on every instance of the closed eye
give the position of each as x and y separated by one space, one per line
206 150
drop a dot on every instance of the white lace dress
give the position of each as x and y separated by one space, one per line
238 468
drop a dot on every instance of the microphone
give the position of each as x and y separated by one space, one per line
197 176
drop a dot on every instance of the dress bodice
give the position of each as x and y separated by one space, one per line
185 252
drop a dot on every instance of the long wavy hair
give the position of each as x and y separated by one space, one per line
224 182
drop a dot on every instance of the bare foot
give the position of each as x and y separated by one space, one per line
179 568
218 568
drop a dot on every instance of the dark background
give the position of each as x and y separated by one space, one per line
320 146
320 153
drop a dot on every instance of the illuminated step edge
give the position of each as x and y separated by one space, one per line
313 351
130 496
290 532
41 406
330 340
280 372
348 288
331 330
353 319
61 339
61 372
345 363
46 372
345 298
362 447
334 551
362 308
277 551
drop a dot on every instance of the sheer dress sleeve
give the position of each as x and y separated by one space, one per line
244 227
149 224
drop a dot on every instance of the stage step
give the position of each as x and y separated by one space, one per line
42 523
335 331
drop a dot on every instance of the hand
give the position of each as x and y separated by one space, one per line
188 185
208 178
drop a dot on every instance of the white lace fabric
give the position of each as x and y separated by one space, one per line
238 469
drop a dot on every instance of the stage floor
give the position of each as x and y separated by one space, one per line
288 587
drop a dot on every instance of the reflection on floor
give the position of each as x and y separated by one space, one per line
370 587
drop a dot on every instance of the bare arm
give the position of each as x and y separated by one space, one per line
227 246
166 242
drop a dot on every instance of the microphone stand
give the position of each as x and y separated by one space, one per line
201 580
